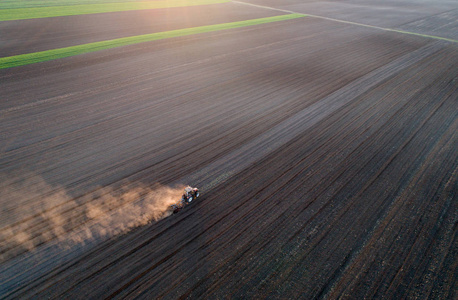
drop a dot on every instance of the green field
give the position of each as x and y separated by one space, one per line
8 4
20 10
30 58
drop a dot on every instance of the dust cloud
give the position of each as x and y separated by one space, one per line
34 213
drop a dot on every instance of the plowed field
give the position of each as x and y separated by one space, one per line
325 148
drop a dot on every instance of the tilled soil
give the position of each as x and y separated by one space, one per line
325 153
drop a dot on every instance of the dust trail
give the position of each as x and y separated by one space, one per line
34 213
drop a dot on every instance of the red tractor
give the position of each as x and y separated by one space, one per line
189 195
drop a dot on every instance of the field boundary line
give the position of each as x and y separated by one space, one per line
351 23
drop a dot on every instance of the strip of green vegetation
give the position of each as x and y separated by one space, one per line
30 58
8 4
71 10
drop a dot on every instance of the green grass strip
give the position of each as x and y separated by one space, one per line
70 10
30 58
8 4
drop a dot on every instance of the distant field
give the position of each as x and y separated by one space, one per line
20 10
7 4
30 58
